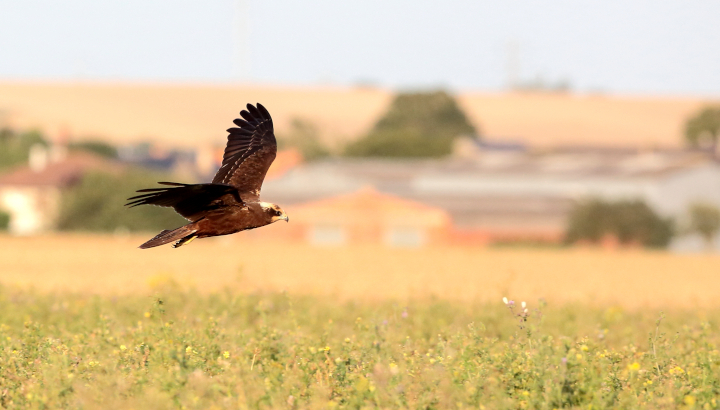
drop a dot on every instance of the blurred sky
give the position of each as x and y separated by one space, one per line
622 46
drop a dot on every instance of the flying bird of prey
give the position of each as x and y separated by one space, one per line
231 202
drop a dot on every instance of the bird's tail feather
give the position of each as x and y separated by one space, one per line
182 234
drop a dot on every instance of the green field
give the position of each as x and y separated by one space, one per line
181 349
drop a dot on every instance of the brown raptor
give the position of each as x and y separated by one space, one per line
231 202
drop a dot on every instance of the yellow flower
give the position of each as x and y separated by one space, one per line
147 314
123 347
689 400
226 354
362 385
634 367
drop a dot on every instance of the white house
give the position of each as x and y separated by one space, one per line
31 193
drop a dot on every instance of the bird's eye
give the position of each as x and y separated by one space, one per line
277 213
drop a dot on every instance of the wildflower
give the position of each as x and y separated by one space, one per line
689 400
226 354
404 314
505 300
635 366
523 304
147 314
564 360
394 369
123 347
511 303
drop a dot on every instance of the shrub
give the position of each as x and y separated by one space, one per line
705 220
97 204
96 147
4 220
703 129
631 221
304 136
416 125
15 147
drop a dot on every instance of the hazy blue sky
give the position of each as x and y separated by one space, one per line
655 47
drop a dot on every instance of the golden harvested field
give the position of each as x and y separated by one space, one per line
113 265
193 115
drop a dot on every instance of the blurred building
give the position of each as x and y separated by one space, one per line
512 194
368 217
31 193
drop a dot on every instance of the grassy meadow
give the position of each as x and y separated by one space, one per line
91 322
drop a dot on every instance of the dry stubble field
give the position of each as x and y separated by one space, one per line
107 264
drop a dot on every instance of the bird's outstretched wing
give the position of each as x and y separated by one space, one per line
193 201
250 150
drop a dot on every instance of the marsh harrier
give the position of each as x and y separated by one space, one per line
231 202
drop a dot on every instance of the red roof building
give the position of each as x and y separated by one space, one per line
366 217
31 193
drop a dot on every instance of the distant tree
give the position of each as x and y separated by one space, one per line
705 220
4 220
97 204
629 221
416 125
97 147
703 129
305 137
15 147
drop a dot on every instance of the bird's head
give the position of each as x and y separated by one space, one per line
274 212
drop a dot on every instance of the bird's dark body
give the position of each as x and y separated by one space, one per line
231 202
232 219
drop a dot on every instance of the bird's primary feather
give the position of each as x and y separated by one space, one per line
250 150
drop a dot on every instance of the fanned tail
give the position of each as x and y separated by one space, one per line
182 235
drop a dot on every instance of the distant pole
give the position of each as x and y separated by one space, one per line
241 40
512 65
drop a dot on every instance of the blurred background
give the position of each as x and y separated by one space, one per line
469 150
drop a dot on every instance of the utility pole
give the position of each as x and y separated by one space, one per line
241 41
512 65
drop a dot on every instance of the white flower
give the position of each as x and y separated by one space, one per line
523 305
505 301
